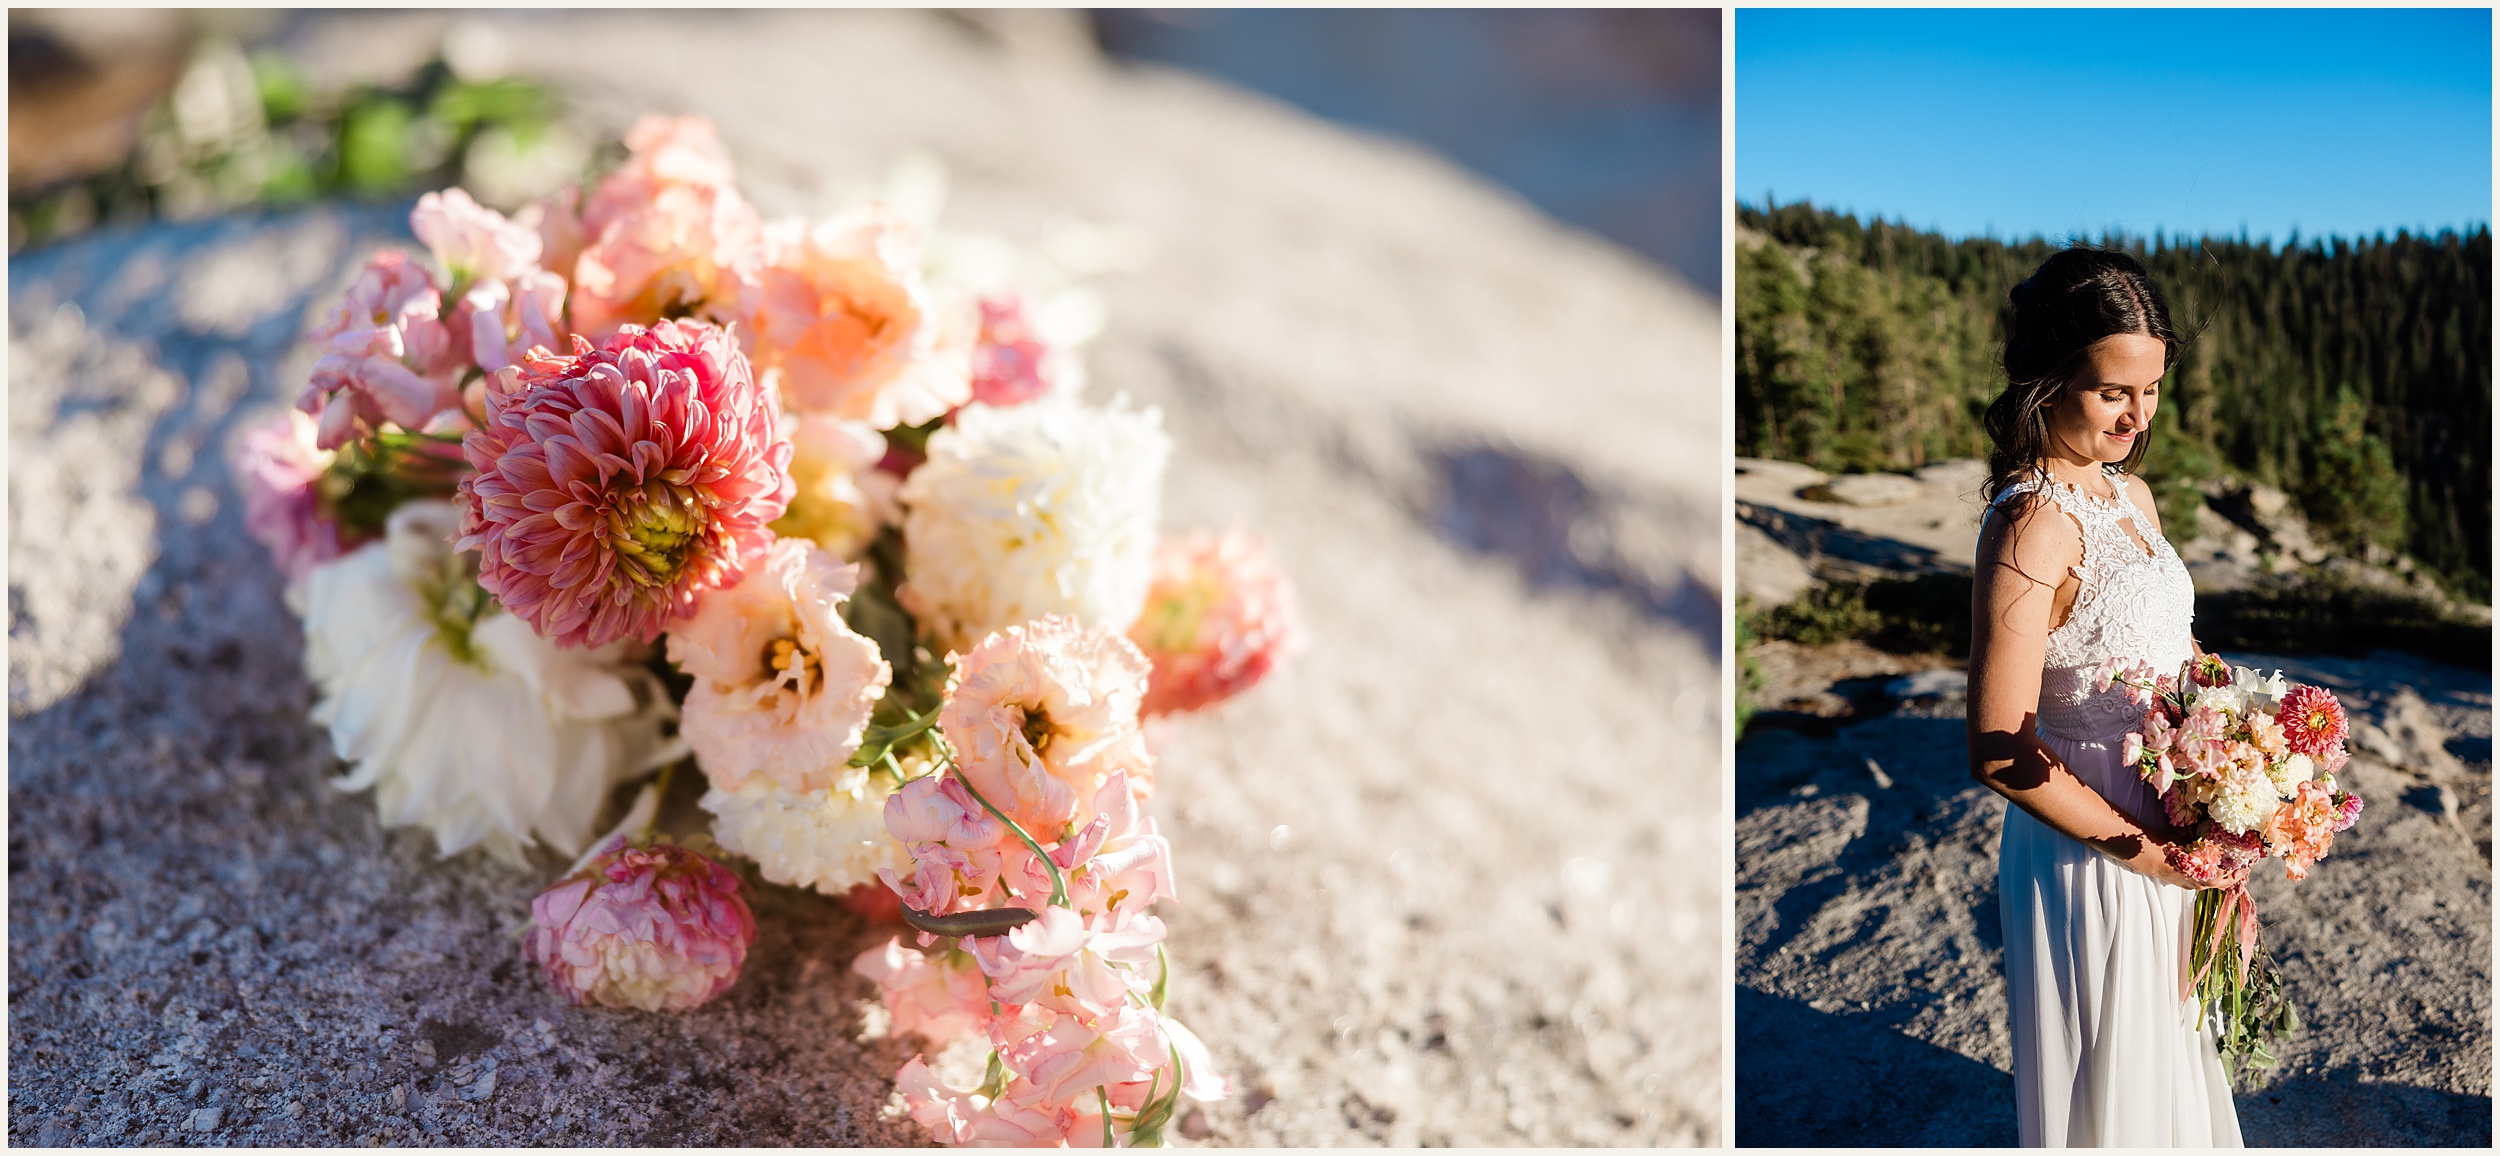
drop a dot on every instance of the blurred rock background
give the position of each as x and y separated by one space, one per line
1453 879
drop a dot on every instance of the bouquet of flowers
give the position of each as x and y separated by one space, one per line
636 479
2247 763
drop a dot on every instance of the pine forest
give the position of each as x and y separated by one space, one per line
2353 374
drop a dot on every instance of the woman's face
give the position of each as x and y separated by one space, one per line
2107 407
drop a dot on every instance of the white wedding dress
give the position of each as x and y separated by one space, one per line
2095 954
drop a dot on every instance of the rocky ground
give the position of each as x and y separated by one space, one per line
1870 1001
1453 879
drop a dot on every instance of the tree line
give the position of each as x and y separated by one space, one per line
2353 374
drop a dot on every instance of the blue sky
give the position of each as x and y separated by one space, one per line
2016 123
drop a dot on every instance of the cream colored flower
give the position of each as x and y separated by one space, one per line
843 499
458 716
831 838
1030 511
783 687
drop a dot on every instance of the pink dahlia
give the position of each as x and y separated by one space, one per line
2313 722
385 354
659 928
1218 618
616 485
279 468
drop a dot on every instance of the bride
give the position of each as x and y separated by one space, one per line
2072 570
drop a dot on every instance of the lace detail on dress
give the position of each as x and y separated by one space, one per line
2132 603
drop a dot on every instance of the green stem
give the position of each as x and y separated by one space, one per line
1108 1140
668 774
1058 882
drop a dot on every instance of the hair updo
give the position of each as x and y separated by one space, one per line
2074 299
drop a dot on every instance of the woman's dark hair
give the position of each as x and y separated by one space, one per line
2074 299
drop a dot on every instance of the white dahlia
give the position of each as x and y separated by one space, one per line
1029 511
459 716
2243 800
832 838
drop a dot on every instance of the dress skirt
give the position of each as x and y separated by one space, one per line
2096 967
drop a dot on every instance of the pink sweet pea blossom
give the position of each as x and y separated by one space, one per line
279 469
659 928
386 354
506 318
615 485
958 851
937 998
1117 863
1218 618
472 242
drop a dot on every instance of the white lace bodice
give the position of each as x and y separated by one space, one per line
2133 603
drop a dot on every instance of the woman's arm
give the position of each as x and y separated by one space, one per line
2022 559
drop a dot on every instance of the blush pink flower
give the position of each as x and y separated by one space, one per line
936 998
1118 863
959 852
1042 715
1218 618
2267 736
1011 363
2313 722
557 219
506 318
665 235
783 686
2347 811
385 354
472 242
615 485
662 153
659 928
841 316
279 468
1076 1054
2303 829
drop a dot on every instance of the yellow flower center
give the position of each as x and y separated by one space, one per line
789 662
1036 730
653 530
1170 624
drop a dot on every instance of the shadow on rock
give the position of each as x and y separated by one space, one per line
2336 1110
1559 531
1809 1077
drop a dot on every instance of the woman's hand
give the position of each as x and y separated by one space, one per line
2152 860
